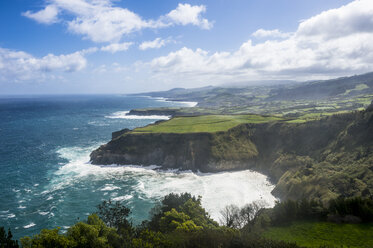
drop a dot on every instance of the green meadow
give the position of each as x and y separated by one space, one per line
316 234
205 123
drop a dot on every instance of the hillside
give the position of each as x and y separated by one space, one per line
315 159
287 99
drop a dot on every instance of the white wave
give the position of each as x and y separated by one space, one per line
29 225
98 123
7 216
122 198
189 104
124 115
43 213
217 189
109 187
186 104
21 207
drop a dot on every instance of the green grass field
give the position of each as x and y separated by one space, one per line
315 234
205 123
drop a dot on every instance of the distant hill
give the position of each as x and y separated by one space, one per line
345 86
287 97
278 89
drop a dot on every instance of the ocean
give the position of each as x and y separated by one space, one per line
46 180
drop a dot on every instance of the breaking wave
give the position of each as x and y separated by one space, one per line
136 184
124 115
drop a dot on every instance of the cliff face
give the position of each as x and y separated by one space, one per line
319 159
195 151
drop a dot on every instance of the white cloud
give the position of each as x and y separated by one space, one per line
101 21
353 18
157 43
275 33
47 16
20 66
315 50
116 47
186 14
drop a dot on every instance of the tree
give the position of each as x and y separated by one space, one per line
249 212
230 216
114 214
185 204
234 217
47 238
91 234
6 240
174 220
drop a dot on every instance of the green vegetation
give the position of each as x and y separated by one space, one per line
205 123
316 234
350 222
181 221
6 239
358 87
320 159
288 99
178 221
314 140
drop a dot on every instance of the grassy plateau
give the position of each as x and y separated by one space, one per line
206 123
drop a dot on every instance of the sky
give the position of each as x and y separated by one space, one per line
129 46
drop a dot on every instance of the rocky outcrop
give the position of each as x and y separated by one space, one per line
143 112
193 151
116 134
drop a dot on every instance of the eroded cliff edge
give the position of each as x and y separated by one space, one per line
317 159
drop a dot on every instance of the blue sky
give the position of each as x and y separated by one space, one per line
125 46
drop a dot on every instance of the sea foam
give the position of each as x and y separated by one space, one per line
183 103
124 115
150 184
29 225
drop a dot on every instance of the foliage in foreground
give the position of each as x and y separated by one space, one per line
181 221
6 239
178 221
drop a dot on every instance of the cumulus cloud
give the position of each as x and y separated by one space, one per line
101 21
186 14
336 42
20 66
353 18
275 33
157 43
116 47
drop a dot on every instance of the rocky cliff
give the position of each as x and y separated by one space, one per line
319 159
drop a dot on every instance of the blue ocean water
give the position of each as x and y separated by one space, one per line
46 180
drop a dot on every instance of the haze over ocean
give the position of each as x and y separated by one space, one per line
46 180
